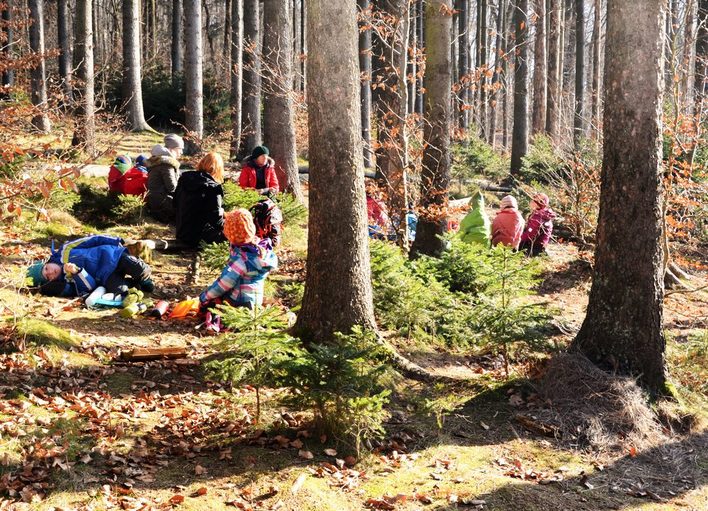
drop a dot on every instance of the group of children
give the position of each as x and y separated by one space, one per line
194 202
508 227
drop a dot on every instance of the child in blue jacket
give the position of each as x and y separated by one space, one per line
82 265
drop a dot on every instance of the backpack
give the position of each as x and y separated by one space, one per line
268 219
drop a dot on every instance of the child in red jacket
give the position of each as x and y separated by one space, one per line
508 224
258 172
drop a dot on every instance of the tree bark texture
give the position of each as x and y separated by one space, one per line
689 56
64 43
236 75
435 174
278 114
8 75
579 117
390 101
365 72
251 109
38 74
538 117
463 62
701 72
623 325
338 293
194 118
132 88
554 69
177 48
520 135
596 60
412 54
420 37
85 133
499 58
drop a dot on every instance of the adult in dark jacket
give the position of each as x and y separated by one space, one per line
163 171
199 202
259 172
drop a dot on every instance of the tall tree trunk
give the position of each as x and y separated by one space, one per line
701 72
689 56
236 75
338 292
554 69
177 52
499 57
538 118
412 55
303 46
251 109
365 73
508 77
520 136
623 325
463 62
435 175
278 115
39 82
420 37
390 50
8 75
132 88
596 59
85 132
579 117
194 118
227 34
64 43
483 37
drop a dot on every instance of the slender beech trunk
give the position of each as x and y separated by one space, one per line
194 118
435 175
701 73
520 136
338 292
554 69
538 117
131 87
483 37
85 132
420 37
296 44
689 56
463 62
38 74
64 44
278 114
8 75
508 77
596 60
365 73
177 48
412 55
236 74
227 34
623 326
579 117
303 47
251 100
499 57
390 52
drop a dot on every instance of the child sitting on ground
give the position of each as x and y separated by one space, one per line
82 265
539 226
475 227
251 259
508 224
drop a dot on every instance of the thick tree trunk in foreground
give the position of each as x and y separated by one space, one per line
38 73
520 136
623 326
538 122
251 99
132 88
435 176
194 118
338 292
85 133
177 48
554 69
278 115
236 75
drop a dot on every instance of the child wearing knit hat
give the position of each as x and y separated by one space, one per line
539 226
508 225
251 259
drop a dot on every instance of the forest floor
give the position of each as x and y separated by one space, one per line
81 429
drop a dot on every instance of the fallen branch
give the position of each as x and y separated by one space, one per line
145 354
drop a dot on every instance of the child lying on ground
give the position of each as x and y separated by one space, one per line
82 265
242 281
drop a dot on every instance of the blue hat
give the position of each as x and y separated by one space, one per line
140 159
34 273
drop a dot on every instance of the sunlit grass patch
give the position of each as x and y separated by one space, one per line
43 333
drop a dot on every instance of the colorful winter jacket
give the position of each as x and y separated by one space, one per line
507 228
242 281
475 227
248 178
538 230
97 258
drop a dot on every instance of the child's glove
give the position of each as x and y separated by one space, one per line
71 269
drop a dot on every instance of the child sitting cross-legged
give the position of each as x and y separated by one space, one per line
82 265
251 259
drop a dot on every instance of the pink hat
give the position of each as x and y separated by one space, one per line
541 199
508 201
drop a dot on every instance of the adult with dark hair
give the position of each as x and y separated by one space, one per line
163 171
258 172
199 199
